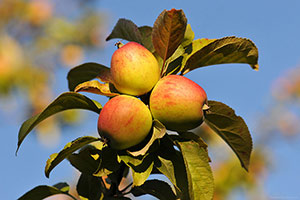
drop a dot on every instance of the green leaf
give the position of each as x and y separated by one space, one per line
86 72
41 192
90 187
96 88
127 30
56 158
224 50
66 101
170 163
159 130
168 32
200 178
146 33
87 160
232 129
141 168
156 188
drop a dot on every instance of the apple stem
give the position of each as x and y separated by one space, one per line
119 44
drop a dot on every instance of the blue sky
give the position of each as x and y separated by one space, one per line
274 26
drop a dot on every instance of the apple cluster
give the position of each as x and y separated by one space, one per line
175 100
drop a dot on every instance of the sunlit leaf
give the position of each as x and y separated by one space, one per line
224 50
95 87
200 178
141 168
177 61
156 188
87 72
168 32
189 36
42 192
139 178
159 130
170 163
232 129
56 158
127 30
66 101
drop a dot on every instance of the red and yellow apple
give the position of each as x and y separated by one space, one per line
125 121
134 69
178 102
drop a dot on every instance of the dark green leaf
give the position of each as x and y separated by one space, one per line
90 187
87 160
232 129
62 186
116 198
224 50
188 136
146 33
66 101
41 192
56 158
168 32
157 188
108 162
127 30
87 72
200 178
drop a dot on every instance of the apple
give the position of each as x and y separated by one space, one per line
124 121
178 102
134 69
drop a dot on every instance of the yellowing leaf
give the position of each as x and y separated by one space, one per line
87 72
96 88
178 60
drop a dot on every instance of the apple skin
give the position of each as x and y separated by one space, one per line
125 121
134 69
178 102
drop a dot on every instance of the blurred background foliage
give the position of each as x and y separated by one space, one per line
38 39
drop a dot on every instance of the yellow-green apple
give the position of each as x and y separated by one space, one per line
134 69
125 121
178 102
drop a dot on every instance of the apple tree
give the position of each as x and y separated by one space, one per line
146 127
